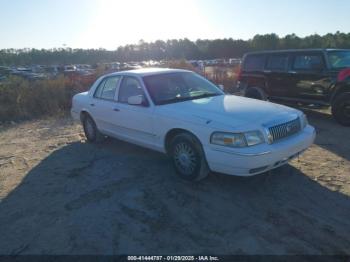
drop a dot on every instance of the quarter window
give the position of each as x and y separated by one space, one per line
129 87
254 62
277 62
308 62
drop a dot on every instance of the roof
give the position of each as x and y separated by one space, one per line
297 50
149 71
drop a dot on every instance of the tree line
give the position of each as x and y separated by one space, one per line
171 49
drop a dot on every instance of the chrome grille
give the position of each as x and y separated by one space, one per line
285 130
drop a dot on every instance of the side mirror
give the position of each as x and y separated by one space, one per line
221 87
136 100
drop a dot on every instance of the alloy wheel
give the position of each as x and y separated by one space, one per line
185 158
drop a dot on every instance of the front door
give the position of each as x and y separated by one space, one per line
135 122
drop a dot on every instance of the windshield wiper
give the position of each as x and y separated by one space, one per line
174 100
205 95
181 99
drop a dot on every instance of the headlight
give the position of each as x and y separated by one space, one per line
304 122
228 139
237 139
254 138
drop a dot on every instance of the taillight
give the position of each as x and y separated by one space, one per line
343 75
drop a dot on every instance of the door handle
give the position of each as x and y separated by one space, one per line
92 104
116 109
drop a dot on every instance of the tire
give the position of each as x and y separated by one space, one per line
255 93
341 109
92 134
188 157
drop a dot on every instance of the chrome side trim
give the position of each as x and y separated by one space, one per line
126 129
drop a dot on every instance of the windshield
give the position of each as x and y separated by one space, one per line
339 59
177 87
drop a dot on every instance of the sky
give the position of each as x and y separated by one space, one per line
111 23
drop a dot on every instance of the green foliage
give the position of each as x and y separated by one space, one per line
171 49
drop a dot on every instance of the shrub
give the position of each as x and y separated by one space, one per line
22 99
223 75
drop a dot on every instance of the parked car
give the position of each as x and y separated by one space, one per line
180 113
27 73
5 71
309 76
2 78
70 68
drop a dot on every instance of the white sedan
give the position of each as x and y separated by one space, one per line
202 129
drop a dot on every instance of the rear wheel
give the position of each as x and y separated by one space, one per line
341 109
188 157
93 135
256 93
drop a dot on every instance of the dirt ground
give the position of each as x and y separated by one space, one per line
61 195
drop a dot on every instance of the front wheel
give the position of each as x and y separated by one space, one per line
341 109
188 157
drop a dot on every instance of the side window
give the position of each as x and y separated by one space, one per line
254 62
277 62
308 62
106 90
130 86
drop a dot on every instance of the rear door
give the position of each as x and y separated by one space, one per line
308 75
102 104
276 72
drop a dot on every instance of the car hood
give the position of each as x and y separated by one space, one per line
230 110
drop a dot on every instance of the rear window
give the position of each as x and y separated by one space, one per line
277 62
254 63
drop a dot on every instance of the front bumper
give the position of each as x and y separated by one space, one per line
258 159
